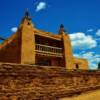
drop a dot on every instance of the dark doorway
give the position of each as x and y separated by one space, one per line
77 66
44 62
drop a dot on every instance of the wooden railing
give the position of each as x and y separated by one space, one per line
48 50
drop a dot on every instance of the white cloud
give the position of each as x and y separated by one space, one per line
90 30
41 6
14 29
82 41
98 32
92 58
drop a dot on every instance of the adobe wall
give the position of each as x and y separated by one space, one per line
10 49
82 63
68 55
27 82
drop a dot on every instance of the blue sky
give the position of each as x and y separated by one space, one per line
81 19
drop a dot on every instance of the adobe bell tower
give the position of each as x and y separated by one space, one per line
67 50
27 40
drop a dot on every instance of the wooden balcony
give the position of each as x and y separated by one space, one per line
48 50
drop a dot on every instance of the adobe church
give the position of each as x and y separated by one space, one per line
30 45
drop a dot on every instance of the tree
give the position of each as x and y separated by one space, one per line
99 65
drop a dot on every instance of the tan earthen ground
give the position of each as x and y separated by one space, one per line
94 95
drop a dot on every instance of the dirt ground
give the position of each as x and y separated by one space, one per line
94 95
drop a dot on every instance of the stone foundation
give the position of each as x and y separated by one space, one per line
31 82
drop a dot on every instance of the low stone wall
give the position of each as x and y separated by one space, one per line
28 82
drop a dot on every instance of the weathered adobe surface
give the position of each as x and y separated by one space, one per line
28 82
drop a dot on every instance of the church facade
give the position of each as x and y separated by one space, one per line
30 45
